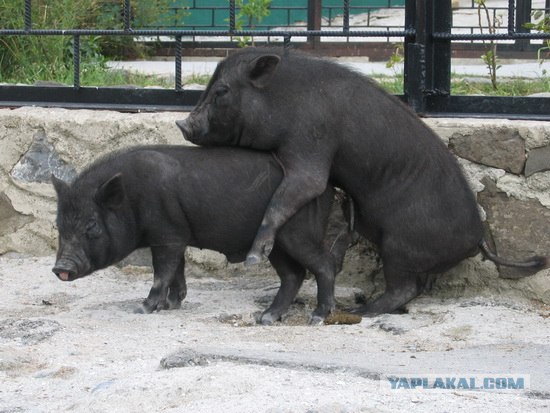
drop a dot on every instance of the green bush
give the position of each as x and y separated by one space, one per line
145 14
541 25
250 14
27 59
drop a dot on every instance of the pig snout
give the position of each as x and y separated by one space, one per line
69 267
65 270
193 128
184 127
72 262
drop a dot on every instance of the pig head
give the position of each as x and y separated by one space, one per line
232 112
86 244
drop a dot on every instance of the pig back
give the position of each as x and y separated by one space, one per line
223 193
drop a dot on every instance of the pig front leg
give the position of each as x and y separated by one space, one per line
291 269
168 266
297 188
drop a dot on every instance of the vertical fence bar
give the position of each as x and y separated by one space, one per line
511 17
28 15
414 73
523 15
231 16
314 21
427 61
439 58
178 63
126 15
346 16
286 43
76 62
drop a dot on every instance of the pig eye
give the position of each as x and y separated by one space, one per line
221 91
92 229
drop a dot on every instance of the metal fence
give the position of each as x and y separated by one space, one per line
212 15
428 64
427 34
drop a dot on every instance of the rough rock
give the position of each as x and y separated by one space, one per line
10 219
502 148
520 228
37 142
538 160
40 162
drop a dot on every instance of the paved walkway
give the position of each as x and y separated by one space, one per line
467 67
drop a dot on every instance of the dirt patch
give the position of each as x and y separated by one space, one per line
27 332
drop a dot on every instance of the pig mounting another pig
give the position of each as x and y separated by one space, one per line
170 197
327 123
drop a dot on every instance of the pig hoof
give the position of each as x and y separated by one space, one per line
252 259
267 319
316 320
174 305
362 311
162 305
268 247
266 322
145 309
355 310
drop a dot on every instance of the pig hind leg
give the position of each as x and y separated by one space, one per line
292 275
324 269
178 287
401 287
322 264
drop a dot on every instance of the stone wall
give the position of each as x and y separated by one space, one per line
507 163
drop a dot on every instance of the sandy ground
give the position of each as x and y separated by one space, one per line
79 347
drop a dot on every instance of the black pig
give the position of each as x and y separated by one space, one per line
169 197
326 122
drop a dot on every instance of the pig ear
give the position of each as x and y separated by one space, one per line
59 185
110 194
262 69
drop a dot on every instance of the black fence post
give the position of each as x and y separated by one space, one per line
76 62
177 60
232 17
438 58
414 75
28 15
126 15
346 16
523 15
314 21
427 60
